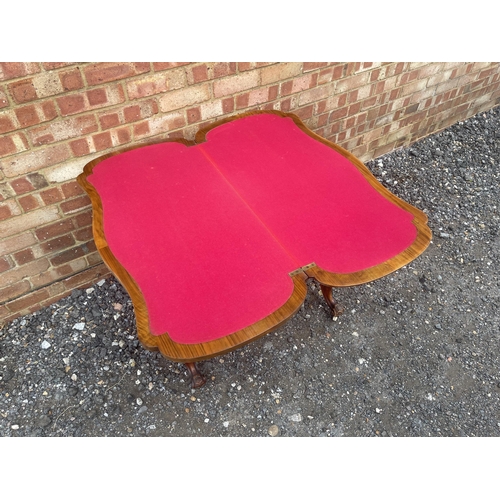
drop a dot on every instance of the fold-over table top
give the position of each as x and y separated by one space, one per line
211 232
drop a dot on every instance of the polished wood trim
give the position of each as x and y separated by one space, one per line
197 352
421 242
189 353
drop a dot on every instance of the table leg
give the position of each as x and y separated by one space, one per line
336 308
197 379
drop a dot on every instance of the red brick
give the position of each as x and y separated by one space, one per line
108 72
245 66
338 72
49 110
6 124
224 69
141 129
286 88
322 120
22 185
109 120
305 112
71 189
399 68
54 230
15 290
43 139
24 256
84 234
51 196
408 77
338 114
30 300
369 102
102 141
57 244
23 91
94 258
75 204
5 212
44 279
242 100
122 135
97 96
11 70
71 104
228 105
374 75
193 115
350 122
273 92
71 80
132 113
377 88
90 276
4 264
19 273
28 203
325 76
68 255
354 108
285 105
72 267
199 73
80 147
27 116
7 146
84 219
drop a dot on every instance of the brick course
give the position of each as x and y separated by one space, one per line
55 117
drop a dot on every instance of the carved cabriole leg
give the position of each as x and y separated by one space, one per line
336 308
197 379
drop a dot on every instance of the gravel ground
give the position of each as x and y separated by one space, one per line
416 353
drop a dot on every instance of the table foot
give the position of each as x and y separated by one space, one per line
197 379
335 307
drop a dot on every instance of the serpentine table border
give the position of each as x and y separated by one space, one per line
191 353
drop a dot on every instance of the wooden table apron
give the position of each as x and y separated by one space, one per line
214 239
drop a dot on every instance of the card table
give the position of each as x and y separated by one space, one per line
215 239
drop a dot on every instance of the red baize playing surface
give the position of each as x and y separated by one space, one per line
211 232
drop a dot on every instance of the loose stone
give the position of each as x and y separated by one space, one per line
273 430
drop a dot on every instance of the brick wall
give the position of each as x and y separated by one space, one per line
55 117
